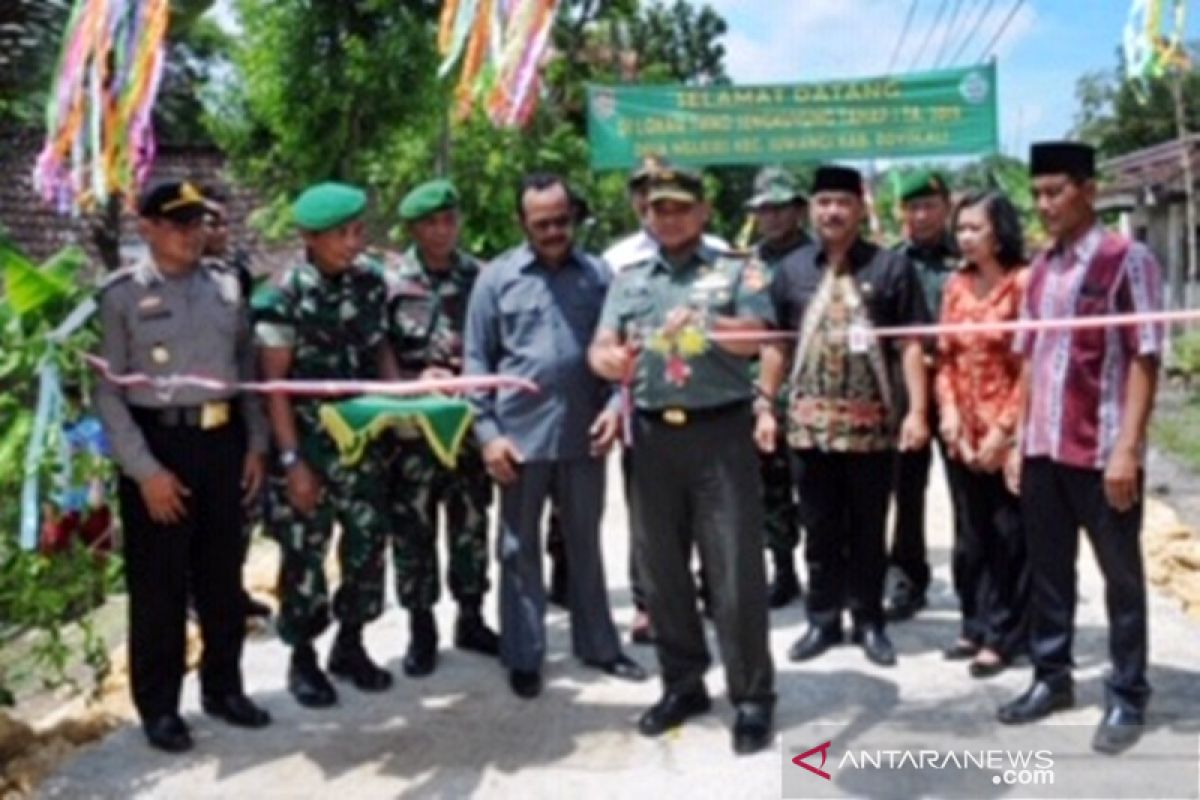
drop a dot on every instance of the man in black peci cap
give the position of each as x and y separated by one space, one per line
1088 395
189 461
841 420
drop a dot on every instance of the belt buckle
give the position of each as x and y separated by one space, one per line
213 415
675 416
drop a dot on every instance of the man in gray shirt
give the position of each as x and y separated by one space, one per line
532 314
190 458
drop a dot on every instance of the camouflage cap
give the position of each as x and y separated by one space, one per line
327 205
775 186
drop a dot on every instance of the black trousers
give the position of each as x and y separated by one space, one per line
696 486
1056 500
843 507
991 574
200 556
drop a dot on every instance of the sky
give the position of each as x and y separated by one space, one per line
1041 53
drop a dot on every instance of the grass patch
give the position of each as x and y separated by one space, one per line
1175 428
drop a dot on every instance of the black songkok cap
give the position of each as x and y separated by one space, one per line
1062 158
833 178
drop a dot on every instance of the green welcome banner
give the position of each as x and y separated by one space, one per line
948 112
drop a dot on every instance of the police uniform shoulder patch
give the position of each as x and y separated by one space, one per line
228 285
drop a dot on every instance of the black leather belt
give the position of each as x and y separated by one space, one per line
678 417
208 416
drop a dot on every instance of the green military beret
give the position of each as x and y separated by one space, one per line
427 198
327 205
922 183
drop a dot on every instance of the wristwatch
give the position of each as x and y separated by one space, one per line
289 458
763 406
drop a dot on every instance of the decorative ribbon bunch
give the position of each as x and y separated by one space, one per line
504 42
99 138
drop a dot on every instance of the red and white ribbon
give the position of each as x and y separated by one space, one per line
1012 326
315 388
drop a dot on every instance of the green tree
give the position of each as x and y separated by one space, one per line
1120 116
29 34
371 109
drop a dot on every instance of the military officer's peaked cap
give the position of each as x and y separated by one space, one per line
675 184
640 178
327 205
428 198
178 201
923 183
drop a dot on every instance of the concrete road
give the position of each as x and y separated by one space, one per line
462 733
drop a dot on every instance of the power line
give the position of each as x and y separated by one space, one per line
987 7
1000 33
929 36
912 8
947 35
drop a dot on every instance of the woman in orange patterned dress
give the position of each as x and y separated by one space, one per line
978 396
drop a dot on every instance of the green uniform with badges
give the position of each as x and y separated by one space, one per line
695 478
775 186
425 315
334 326
935 262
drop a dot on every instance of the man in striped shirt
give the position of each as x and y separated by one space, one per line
1088 396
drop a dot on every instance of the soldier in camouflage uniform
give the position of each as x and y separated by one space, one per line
427 306
326 319
779 208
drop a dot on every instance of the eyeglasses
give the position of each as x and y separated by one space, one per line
553 223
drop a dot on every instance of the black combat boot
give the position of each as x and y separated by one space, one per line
421 657
307 683
471 632
349 660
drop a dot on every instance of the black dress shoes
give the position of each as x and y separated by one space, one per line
1119 730
526 685
752 728
1039 700
307 683
877 646
168 733
236 709
960 651
986 669
622 667
672 711
813 643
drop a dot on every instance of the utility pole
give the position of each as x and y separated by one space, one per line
1189 183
